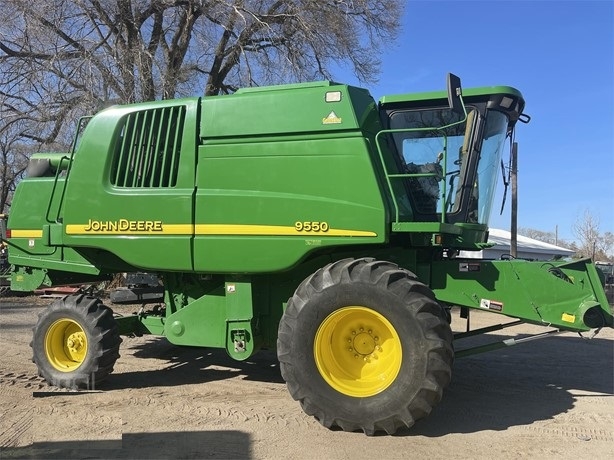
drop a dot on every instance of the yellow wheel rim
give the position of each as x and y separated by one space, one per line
65 345
357 351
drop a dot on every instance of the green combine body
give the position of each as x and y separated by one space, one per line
307 218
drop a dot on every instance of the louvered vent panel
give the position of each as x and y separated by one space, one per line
147 151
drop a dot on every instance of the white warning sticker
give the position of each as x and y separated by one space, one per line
491 305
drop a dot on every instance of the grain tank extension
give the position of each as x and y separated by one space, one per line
307 218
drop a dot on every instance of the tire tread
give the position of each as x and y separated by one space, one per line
427 312
103 341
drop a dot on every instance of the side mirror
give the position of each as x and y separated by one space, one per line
454 94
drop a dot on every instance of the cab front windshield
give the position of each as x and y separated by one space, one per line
452 176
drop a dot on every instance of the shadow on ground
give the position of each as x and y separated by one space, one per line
491 391
196 445
521 385
189 365
514 386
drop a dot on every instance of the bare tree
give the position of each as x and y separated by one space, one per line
62 57
608 246
591 243
13 162
60 60
10 167
267 41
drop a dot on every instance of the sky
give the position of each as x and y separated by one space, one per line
560 55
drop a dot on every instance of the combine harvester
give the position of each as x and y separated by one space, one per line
307 218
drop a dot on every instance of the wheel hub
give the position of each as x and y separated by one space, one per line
357 351
76 342
65 345
364 344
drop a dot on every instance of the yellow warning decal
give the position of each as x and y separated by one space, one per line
331 119
568 318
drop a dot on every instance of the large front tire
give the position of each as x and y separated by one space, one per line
75 342
365 346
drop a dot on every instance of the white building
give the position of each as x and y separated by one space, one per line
527 248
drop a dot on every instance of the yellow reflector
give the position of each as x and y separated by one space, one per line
568 318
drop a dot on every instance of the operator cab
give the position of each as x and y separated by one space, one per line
448 149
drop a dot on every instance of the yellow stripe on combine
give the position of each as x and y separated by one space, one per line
26 233
214 229
178 229
272 230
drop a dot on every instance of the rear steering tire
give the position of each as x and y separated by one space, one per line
365 346
75 342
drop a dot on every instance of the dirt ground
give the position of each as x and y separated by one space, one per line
545 399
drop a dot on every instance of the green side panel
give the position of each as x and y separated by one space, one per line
62 259
37 239
301 108
221 318
27 278
195 312
262 206
284 171
201 323
136 202
557 294
34 208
